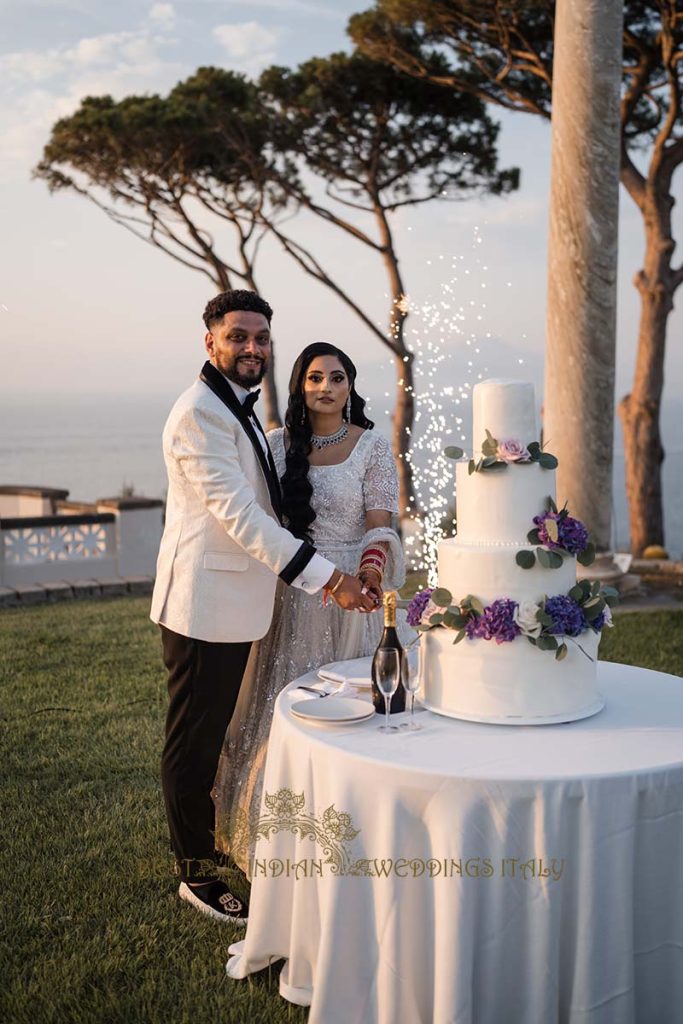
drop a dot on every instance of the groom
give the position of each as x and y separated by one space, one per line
222 550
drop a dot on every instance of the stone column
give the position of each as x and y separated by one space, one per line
578 421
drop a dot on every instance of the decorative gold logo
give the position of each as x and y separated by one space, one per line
286 812
333 833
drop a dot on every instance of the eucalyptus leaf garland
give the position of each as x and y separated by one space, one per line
586 606
497 455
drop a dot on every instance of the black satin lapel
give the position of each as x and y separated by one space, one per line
220 387
271 460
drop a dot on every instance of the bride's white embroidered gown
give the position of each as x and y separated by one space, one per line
305 633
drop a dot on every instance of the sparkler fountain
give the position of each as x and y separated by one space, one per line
442 330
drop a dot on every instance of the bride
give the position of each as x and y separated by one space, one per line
340 489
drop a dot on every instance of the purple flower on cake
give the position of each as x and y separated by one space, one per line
525 617
417 607
512 450
500 619
567 616
497 623
476 628
572 535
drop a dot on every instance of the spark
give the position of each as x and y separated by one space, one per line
439 330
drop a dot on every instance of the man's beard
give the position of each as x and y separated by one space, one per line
245 380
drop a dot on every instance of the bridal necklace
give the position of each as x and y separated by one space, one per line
325 440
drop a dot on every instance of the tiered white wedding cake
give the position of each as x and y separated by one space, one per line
516 638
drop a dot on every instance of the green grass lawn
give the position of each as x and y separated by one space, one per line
92 929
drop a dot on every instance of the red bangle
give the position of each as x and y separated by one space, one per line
375 551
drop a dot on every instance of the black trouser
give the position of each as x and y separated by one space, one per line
203 683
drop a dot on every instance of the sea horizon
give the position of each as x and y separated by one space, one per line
95 446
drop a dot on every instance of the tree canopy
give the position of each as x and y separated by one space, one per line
347 138
166 167
370 131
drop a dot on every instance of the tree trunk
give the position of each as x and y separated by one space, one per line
582 258
271 411
639 411
402 422
269 391
404 409
403 415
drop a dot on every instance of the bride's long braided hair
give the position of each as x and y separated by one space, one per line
297 490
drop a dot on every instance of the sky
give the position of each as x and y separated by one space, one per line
86 307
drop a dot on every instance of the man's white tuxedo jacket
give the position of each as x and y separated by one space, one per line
222 548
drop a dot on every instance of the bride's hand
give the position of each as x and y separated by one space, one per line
373 586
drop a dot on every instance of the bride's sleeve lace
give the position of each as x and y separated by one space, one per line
276 440
380 485
380 491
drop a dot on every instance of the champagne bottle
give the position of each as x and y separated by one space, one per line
389 638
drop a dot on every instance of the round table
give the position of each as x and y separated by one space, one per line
474 873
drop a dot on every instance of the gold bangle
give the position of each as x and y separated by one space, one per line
371 568
333 590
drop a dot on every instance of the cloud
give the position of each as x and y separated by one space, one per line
249 46
37 88
31 65
112 49
25 125
288 7
163 15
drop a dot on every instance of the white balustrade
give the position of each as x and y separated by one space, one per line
49 548
46 539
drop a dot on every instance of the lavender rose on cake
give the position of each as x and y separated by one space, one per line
512 450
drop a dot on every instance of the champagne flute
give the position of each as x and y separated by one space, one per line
387 671
410 680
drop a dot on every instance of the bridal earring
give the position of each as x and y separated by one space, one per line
348 408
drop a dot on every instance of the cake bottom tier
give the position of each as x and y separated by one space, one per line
509 684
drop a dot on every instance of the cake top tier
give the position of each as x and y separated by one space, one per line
506 408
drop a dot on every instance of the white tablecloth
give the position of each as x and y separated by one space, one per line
589 931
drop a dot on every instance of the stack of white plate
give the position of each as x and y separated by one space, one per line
337 710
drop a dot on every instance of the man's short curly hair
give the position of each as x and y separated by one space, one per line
230 302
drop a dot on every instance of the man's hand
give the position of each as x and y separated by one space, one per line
348 595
